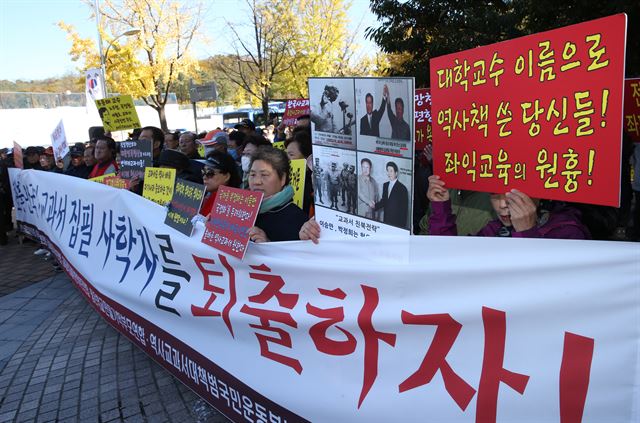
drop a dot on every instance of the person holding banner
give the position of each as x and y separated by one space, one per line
104 153
518 216
279 219
219 170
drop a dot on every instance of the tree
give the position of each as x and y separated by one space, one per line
419 30
147 65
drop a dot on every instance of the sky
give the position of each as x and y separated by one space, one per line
33 47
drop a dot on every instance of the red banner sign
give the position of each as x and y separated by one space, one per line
632 108
422 117
233 213
540 113
294 109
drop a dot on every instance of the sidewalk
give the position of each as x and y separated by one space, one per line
60 362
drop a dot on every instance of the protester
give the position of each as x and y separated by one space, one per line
215 140
156 136
77 166
89 158
219 170
247 127
32 159
105 152
249 149
278 219
188 145
234 146
171 140
518 216
299 147
47 162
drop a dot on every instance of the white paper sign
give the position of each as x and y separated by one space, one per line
59 142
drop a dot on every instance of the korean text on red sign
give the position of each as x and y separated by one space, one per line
234 212
540 113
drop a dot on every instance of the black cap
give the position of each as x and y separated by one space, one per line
246 123
76 151
174 159
32 150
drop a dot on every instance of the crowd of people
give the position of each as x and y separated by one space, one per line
244 157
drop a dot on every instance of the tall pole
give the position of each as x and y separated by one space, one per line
102 61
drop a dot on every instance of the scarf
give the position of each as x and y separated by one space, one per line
276 200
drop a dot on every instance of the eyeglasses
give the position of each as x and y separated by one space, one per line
210 173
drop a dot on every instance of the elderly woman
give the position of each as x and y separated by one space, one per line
279 219
518 216
219 170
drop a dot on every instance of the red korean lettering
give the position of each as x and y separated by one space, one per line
273 289
436 358
577 356
318 332
371 338
493 372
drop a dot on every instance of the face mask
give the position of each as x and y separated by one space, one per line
233 153
246 161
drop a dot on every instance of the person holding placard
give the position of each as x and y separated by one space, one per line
279 218
518 216
219 170
104 152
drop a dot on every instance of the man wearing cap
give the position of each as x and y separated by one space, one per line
32 158
76 166
247 126
47 161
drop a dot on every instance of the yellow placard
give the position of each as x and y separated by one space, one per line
201 150
100 179
279 145
118 113
158 184
297 171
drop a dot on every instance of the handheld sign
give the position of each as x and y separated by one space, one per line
101 179
116 182
422 117
541 113
279 145
118 113
632 108
234 212
135 156
17 156
298 172
158 184
294 109
59 142
185 203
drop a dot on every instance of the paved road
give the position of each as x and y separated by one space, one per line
59 361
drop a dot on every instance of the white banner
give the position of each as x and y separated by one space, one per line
421 329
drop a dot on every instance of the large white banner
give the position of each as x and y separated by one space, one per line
406 330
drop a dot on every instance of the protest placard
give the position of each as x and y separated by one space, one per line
422 118
234 212
294 109
135 156
363 167
100 179
297 175
185 204
541 113
118 113
632 108
17 156
59 142
158 184
116 181
279 145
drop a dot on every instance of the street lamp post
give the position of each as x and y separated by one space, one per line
103 57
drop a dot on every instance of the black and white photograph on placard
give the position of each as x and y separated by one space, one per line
332 112
335 179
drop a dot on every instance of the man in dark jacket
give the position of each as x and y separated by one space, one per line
76 166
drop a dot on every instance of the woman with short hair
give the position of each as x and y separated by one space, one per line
279 219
